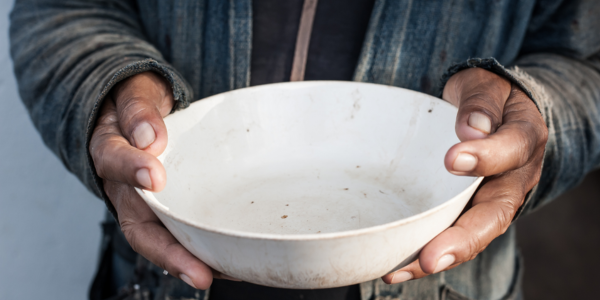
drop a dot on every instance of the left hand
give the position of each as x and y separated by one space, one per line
503 137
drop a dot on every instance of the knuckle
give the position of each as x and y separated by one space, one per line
163 262
523 111
543 136
109 190
103 145
93 149
128 229
532 175
484 102
504 218
536 176
106 119
131 231
99 158
517 92
507 206
132 106
132 112
100 168
115 195
524 142
472 256
167 263
474 247
527 133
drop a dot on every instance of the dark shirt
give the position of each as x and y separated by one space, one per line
337 37
338 32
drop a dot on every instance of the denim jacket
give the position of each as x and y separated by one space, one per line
68 54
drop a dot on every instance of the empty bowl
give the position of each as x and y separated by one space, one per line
313 184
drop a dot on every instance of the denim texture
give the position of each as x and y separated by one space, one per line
68 54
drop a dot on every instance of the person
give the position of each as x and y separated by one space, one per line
97 77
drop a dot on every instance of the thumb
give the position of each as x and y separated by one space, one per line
141 103
480 96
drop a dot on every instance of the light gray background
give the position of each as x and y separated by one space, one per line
49 223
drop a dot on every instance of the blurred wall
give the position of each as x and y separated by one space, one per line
49 223
561 242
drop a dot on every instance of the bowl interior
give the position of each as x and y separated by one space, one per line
309 158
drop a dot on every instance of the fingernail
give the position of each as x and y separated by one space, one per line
229 277
464 162
401 276
143 136
444 262
143 178
480 122
187 280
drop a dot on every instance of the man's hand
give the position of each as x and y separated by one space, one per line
129 134
503 136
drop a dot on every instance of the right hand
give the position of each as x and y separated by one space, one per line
128 136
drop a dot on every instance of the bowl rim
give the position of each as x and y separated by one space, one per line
151 200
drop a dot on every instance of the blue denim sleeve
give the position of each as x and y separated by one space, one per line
559 69
67 55
570 104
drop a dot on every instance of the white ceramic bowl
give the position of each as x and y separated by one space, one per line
310 184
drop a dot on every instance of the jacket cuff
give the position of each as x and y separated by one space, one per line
530 87
182 94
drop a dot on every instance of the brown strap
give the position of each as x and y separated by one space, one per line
303 39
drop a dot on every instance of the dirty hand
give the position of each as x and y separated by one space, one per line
128 136
503 136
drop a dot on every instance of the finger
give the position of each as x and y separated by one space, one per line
521 137
493 209
480 96
116 160
142 102
412 271
148 237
